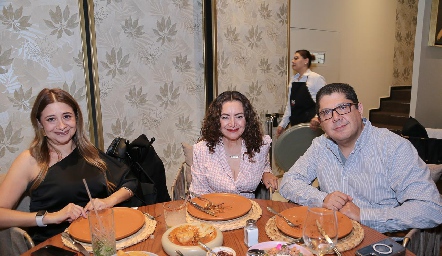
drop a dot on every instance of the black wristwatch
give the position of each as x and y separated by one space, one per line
39 218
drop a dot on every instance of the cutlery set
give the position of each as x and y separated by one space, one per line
327 238
77 245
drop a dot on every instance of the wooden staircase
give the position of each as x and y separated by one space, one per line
394 110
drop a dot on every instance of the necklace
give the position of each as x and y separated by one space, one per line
234 157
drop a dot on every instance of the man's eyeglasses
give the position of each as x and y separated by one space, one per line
342 109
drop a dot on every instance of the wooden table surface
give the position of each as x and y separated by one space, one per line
233 238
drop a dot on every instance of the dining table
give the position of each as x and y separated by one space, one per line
232 238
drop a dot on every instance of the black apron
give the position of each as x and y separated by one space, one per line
302 106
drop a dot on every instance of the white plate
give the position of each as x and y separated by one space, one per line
273 244
170 247
142 253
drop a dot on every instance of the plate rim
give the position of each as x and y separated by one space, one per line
208 217
136 211
281 220
277 242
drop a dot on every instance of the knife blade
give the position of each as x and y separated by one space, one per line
200 208
77 245
322 231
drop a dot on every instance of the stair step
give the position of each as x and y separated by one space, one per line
395 106
394 128
388 118
400 95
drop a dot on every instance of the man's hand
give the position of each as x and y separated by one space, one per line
270 180
352 211
336 200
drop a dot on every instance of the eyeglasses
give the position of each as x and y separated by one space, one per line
342 109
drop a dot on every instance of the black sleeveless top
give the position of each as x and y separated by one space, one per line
63 184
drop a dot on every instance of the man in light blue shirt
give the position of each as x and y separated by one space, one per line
369 174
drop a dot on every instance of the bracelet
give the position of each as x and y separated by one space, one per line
129 190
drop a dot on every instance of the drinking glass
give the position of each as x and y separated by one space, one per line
175 212
312 236
101 224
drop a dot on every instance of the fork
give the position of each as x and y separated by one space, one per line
282 216
209 203
179 253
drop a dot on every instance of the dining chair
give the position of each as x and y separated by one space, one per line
15 240
179 185
292 144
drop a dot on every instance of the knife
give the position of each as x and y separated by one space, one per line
77 245
322 231
200 208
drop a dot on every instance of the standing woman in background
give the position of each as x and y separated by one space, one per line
302 93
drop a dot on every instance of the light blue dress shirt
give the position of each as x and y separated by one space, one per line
384 175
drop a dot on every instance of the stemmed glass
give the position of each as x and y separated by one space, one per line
312 237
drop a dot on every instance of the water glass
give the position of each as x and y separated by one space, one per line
312 236
174 213
101 225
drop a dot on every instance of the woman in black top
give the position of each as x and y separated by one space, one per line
52 170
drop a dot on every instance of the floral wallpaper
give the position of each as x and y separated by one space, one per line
406 20
151 73
252 51
40 46
150 64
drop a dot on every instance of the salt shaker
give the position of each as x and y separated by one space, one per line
250 233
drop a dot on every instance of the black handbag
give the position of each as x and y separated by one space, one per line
146 192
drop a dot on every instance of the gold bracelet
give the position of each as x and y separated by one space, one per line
129 190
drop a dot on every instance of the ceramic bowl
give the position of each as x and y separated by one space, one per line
222 248
170 247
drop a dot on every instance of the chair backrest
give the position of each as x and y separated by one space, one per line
180 184
293 143
14 240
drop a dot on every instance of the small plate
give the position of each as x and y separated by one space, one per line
272 244
170 247
127 222
138 253
297 215
234 206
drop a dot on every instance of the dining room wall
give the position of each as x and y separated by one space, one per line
360 41
150 66
252 54
426 100
40 46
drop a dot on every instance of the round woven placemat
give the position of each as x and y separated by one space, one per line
145 231
346 243
240 222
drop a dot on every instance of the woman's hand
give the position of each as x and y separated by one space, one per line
99 204
270 180
69 213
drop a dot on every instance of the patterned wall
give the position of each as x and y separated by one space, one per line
40 46
406 20
150 66
252 51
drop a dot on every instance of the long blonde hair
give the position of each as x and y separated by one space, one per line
39 148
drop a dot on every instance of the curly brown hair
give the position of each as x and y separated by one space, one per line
211 128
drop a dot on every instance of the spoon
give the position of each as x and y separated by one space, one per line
207 248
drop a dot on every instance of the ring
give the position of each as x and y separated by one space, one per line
268 182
